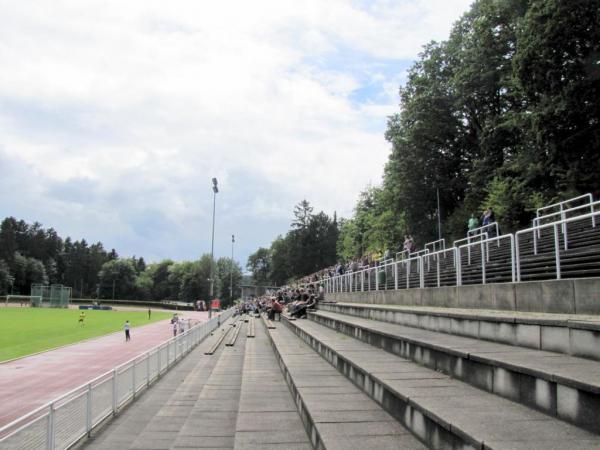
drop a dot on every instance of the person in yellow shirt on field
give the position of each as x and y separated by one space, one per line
82 318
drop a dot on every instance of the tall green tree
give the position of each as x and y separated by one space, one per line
228 271
259 264
119 277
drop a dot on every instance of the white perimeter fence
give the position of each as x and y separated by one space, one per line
64 421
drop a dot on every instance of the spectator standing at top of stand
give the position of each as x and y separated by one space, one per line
406 243
473 222
486 218
409 244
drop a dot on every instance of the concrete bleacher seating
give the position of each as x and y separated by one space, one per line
358 375
454 391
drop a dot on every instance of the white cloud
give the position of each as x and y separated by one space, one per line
150 99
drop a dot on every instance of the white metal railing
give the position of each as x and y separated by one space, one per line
561 215
62 422
484 229
561 205
436 257
401 255
485 256
362 280
555 228
438 245
402 269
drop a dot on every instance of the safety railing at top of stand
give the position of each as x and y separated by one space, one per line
65 420
564 214
560 215
557 247
561 205
366 279
491 229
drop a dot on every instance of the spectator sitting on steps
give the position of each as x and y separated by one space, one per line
300 312
275 310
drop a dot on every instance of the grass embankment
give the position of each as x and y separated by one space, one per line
24 331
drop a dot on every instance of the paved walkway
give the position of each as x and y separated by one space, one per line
30 382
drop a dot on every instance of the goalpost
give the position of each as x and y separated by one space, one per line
23 300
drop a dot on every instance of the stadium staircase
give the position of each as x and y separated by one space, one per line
463 379
357 376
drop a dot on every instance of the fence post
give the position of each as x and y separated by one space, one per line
438 270
376 278
158 363
512 258
133 379
517 258
469 250
458 267
396 275
147 369
50 435
115 392
88 410
557 252
422 272
482 263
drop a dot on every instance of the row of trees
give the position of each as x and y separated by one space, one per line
169 280
308 246
505 113
31 254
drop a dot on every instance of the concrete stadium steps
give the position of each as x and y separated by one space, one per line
556 384
212 420
336 413
234 398
156 417
442 411
571 334
267 416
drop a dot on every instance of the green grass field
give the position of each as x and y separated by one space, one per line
24 331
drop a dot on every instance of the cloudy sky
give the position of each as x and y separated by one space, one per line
115 115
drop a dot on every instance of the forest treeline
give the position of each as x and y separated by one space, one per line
503 114
31 254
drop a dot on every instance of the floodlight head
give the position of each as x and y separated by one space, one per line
214 181
233 238
215 189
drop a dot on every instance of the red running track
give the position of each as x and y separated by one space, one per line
30 382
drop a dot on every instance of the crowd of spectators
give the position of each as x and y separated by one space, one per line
375 259
295 301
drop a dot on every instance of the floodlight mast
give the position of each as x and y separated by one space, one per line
231 270
212 249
